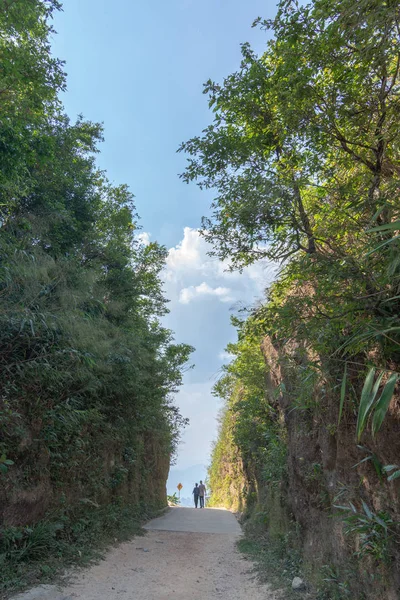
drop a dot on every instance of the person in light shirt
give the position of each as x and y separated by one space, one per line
202 493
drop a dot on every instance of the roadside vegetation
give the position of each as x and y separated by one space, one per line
303 156
87 371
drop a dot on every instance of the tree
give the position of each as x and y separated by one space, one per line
30 80
303 156
301 132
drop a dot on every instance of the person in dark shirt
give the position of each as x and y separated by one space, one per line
196 493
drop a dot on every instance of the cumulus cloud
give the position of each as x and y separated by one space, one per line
144 238
188 254
188 263
192 292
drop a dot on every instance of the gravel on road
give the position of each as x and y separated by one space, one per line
167 564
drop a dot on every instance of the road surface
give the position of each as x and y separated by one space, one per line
187 553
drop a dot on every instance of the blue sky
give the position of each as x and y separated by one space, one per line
139 67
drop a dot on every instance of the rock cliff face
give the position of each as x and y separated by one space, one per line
326 468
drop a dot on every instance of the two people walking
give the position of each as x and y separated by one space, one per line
199 492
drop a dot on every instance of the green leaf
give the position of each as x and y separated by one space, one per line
383 404
378 212
394 239
342 393
353 508
387 227
391 299
377 466
395 475
366 509
388 468
367 398
381 522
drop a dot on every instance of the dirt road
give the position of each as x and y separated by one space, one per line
185 554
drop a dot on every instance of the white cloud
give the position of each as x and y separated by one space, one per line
188 254
189 269
225 356
192 292
190 257
144 238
